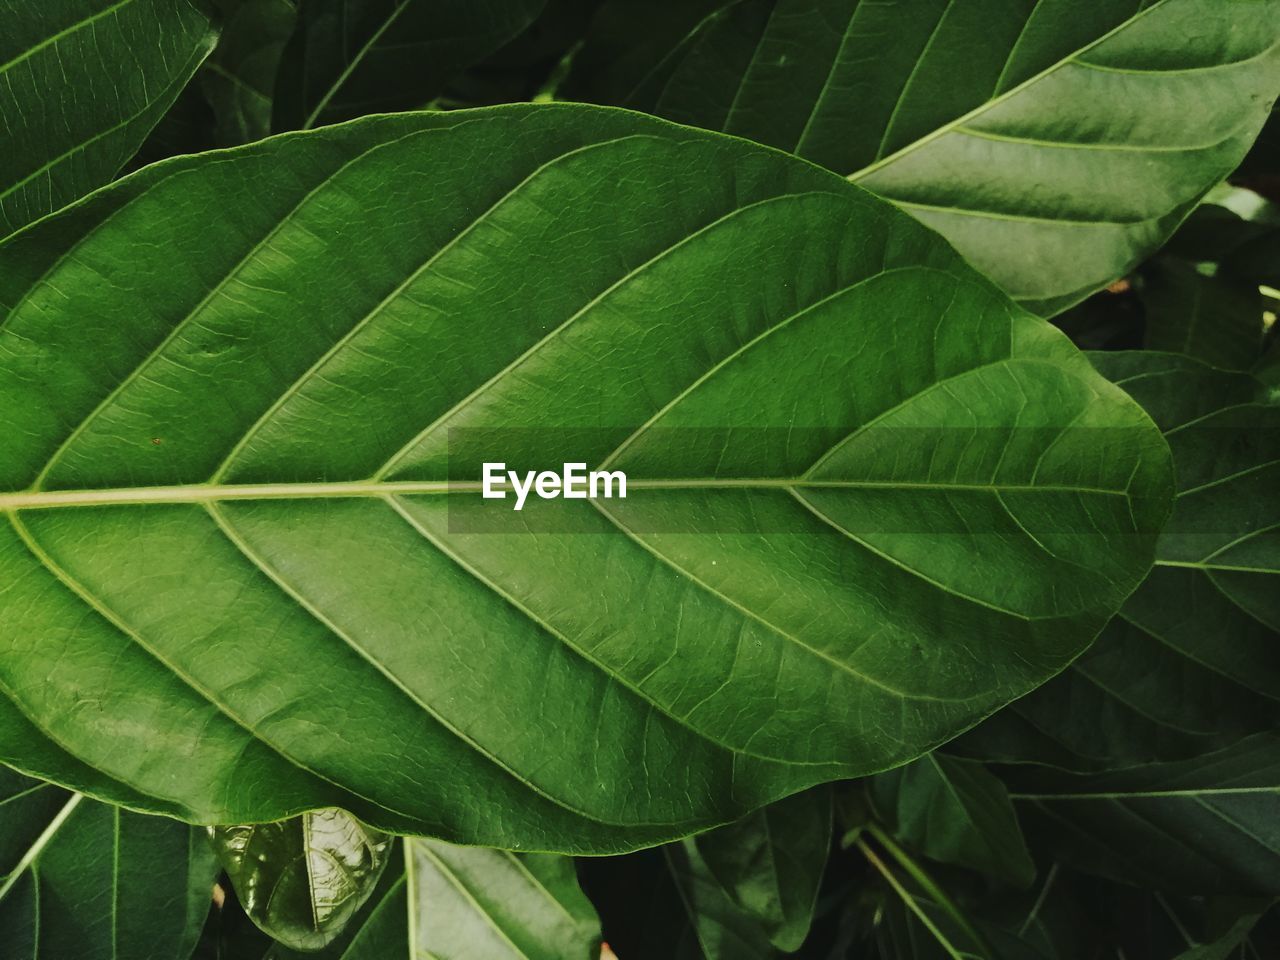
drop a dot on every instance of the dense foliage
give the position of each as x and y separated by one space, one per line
936 341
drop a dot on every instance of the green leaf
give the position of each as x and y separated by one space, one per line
1217 319
1227 942
1200 826
469 902
84 879
770 864
954 811
1163 683
241 483
82 82
301 880
239 78
723 929
1055 143
380 931
349 58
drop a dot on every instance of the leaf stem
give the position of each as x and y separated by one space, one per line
42 841
927 883
907 899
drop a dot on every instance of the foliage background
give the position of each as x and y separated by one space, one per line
1129 807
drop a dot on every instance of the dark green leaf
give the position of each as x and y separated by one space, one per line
641 909
955 812
1055 143
349 58
1217 319
82 82
724 931
239 78
87 880
301 880
869 500
1200 826
770 864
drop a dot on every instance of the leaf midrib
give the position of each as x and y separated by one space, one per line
209 492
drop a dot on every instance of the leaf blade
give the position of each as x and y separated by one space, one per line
313 573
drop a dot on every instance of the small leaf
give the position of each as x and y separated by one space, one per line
770 863
84 879
301 880
954 811
724 930
82 82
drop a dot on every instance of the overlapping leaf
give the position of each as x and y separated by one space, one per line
84 879
82 82
239 79
955 812
1055 143
348 58
1200 826
301 880
246 398
1193 662
770 864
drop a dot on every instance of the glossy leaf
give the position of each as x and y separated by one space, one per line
1055 143
82 82
87 880
1200 826
349 58
239 78
244 506
770 864
954 811
379 931
301 880
1163 682
469 902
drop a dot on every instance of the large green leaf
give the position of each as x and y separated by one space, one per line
869 500
348 58
1193 661
82 82
1056 143
301 880
87 880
